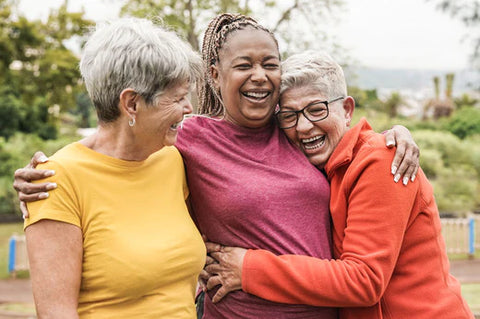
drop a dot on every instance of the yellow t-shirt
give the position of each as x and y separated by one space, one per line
141 251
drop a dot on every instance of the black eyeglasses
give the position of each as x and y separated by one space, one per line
313 112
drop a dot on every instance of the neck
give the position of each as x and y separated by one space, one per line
118 141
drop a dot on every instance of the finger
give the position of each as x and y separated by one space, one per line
203 278
209 260
222 292
390 138
397 160
213 268
415 171
32 189
24 210
38 158
408 175
213 282
212 247
32 197
31 174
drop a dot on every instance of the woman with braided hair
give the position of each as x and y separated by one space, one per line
249 186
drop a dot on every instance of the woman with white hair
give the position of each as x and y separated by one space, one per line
102 245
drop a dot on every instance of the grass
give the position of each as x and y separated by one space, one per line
471 293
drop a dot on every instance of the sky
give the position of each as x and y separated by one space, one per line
410 34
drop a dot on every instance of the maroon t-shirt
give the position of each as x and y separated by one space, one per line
251 188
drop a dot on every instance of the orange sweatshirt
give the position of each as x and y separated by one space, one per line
391 258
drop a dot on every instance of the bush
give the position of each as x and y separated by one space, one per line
465 122
16 153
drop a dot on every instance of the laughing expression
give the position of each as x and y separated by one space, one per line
319 139
159 122
248 76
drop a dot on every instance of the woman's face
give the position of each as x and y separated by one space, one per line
248 76
157 124
319 139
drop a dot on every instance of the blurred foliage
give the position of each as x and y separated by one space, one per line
465 122
39 76
449 152
15 153
190 17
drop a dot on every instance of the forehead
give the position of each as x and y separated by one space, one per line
248 41
299 96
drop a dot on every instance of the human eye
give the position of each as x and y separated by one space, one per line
242 66
287 116
317 109
271 66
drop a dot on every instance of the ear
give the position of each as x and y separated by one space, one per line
348 107
128 102
214 74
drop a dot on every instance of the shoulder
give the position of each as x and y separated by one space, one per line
64 159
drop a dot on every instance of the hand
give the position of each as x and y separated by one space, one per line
27 191
227 271
204 274
406 161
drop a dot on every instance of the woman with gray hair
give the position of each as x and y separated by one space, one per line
102 245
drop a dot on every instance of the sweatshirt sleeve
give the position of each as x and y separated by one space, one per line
378 213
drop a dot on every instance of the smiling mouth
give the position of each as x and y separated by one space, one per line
313 142
256 95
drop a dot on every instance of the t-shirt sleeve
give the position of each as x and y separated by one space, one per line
62 203
372 243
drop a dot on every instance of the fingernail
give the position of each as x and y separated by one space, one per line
413 178
43 195
394 170
405 181
50 173
51 186
396 178
43 159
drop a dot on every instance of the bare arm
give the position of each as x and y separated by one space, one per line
28 191
55 256
406 160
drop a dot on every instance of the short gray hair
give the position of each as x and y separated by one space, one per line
316 69
134 53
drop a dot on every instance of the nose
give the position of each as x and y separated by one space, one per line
258 74
303 124
187 107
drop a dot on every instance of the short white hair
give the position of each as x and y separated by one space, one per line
316 69
134 53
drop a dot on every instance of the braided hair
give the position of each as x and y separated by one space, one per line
215 37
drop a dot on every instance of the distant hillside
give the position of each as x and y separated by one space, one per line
401 79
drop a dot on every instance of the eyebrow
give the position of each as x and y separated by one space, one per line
309 104
248 58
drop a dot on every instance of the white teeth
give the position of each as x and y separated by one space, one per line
257 95
308 140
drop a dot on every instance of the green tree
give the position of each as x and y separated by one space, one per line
190 17
36 65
